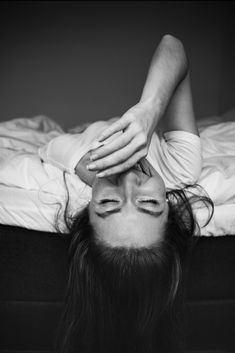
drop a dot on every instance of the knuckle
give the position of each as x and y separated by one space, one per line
142 139
100 165
122 158
136 127
103 164
113 170
125 139
109 172
111 161
130 117
117 125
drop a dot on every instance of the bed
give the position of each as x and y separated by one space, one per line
34 264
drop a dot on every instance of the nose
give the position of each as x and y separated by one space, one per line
130 179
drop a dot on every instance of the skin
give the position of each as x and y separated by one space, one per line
166 101
110 168
131 194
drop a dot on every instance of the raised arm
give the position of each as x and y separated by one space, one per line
166 96
167 90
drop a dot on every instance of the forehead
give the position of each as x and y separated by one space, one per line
129 228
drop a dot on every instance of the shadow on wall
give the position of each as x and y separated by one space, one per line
86 61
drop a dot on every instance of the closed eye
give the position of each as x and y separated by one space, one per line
104 201
155 202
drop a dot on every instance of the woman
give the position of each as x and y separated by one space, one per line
129 244
131 230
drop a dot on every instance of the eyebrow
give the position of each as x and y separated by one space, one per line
105 214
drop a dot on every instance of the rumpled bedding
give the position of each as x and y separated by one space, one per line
218 172
217 177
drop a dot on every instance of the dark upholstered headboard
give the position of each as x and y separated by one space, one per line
33 269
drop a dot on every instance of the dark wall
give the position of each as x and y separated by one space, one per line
227 82
83 61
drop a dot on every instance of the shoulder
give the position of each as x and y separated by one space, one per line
174 139
177 156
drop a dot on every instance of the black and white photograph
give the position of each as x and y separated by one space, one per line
117 177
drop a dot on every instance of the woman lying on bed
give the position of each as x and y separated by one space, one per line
128 210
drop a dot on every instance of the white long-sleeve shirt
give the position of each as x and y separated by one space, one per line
37 158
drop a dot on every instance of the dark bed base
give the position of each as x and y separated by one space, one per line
33 267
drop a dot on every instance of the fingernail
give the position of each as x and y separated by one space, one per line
91 166
93 157
100 175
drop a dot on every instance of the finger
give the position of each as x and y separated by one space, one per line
119 156
119 125
115 145
121 167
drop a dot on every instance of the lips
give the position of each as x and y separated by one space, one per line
139 170
144 166
137 166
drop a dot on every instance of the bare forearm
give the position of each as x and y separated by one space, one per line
169 66
166 94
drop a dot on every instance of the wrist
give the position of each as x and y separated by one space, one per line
154 108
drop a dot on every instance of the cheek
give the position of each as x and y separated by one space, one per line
103 230
97 186
92 215
159 188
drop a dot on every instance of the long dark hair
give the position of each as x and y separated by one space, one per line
121 300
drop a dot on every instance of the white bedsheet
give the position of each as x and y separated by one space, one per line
218 172
217 177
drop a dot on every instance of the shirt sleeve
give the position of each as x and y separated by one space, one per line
177 156
66 150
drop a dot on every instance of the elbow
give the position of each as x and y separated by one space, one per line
171 40
177 49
